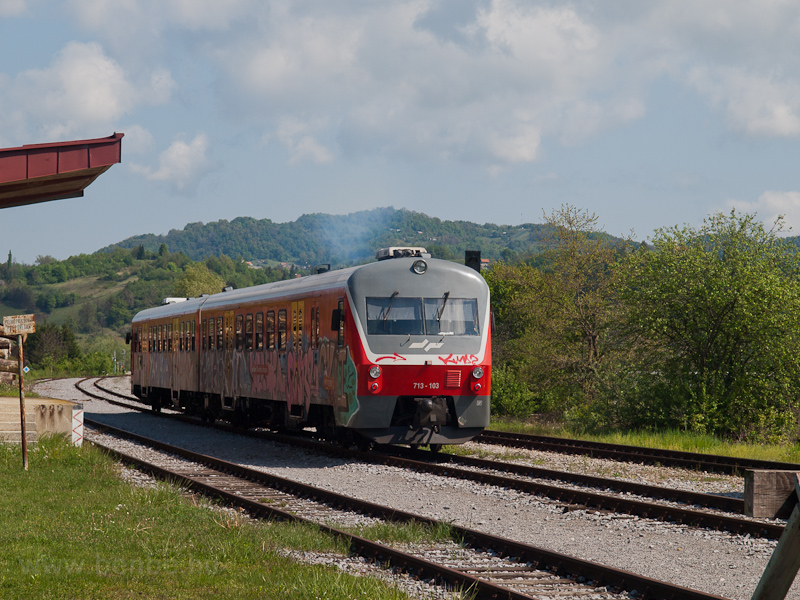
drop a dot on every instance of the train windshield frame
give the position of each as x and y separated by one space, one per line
396 315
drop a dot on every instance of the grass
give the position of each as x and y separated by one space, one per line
88 289
403 533
12 391
71 528
670 440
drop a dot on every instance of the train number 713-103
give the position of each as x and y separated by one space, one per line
422 386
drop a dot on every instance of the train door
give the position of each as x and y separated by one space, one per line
230 350
174 359
296 396
144 365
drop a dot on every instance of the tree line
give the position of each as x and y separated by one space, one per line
134 279
695 331
340 239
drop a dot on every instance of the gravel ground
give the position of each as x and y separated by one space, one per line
671 477
713 562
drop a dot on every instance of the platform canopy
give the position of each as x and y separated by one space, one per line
42 172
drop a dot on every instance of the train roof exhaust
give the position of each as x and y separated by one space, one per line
402 252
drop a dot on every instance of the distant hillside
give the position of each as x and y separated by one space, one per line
340 239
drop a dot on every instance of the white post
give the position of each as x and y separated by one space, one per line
77 424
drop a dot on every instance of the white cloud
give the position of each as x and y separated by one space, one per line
757 103
139 15
181 165
519 148
138 140
12 8
484 82
297 137
205 14
141 31
772 204
384 84
82 92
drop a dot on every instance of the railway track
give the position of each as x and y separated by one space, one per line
637 454
486 565
676 506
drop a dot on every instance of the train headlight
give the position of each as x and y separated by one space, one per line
419 267
375 371
477 372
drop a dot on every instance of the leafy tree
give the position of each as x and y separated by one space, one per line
19 295
50 344
88 318
717 311
556 322
583 287
197 279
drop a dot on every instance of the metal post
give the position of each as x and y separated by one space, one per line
22 405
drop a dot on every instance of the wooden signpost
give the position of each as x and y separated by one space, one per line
18 327
785 561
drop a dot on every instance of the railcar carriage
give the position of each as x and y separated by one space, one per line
394 352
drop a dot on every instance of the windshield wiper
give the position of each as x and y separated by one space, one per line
444 302
388 308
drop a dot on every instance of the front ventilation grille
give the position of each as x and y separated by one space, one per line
452 379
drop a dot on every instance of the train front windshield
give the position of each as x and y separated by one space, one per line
396 315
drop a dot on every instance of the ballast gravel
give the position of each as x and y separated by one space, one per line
714 562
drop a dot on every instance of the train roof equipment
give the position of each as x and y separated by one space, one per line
402 252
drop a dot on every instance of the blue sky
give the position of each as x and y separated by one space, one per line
649 114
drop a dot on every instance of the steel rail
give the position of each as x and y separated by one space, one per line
621 452
639 454
724 503
443 465
571 496
538 557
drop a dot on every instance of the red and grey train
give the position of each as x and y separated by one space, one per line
395 352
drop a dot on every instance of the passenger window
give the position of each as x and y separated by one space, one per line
248 332
282 329
169 337
297 325
260 331
204 334
193 324
211 333
271 330
239 332
220 334
183 336
300 317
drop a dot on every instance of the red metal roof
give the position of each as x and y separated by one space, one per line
41 172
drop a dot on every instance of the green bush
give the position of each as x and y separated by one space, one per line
510 394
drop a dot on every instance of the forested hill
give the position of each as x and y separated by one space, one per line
341 239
